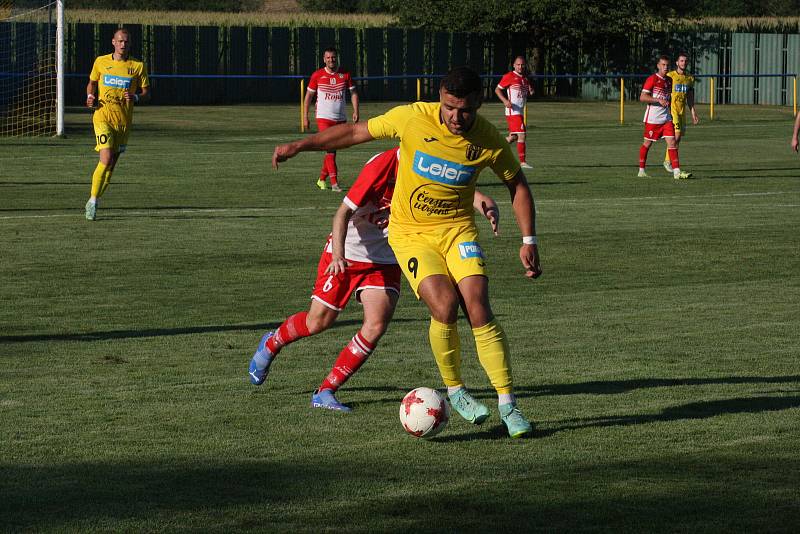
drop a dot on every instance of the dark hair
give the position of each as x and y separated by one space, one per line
664 57
330 49
461 82
680 55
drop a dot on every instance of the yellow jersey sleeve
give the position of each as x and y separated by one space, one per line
144 81
392 123
95 74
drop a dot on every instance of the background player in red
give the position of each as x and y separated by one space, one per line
329 85
356 259
656 93
513 90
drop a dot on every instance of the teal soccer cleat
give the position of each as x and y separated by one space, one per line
91 211
469 407
515 422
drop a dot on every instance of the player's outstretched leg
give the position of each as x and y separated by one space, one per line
262 359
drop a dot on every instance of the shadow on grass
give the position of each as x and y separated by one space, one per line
671 493
158 332
614 387
692 410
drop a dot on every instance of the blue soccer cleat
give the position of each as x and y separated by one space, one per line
326 399
262 359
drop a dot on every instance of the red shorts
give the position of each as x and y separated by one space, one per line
515 124
324 124
654 132
334 291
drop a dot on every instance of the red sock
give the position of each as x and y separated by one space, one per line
330 165
292 329
521 152
643 156
350 359
673 157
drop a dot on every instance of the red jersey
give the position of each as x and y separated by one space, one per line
330 89
517 89
658 87
370 198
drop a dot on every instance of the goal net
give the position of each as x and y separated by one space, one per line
31 77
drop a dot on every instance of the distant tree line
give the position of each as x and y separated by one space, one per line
411 12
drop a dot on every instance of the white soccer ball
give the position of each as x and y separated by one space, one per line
424 412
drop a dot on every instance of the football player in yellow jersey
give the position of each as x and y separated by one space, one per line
443 148
682 98
116 83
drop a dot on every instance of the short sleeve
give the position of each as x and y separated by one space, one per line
312 83
648 85
95 74
144 81
390 124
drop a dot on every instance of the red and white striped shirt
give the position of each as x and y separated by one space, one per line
330 89
370 198
658 87
517 89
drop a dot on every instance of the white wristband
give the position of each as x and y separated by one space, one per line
529 240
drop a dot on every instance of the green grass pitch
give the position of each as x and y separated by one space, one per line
658 355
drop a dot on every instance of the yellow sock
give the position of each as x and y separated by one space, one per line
106 180
494 355
666 156
97 179
446 349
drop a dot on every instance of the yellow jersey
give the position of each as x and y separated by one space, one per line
112 78
437 170
682 84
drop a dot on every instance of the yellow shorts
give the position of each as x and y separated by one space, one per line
453 252
680 123
111 136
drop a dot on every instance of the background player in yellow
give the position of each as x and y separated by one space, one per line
116 83
443 148
682 98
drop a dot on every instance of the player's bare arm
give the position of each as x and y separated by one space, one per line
486 205
647 98
525 213
334 138
338 236
306 105
690 104
795 133
354 101
141 98
91 93
502 96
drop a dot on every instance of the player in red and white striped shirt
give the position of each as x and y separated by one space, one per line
656 93
513 90
330 84
357 259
